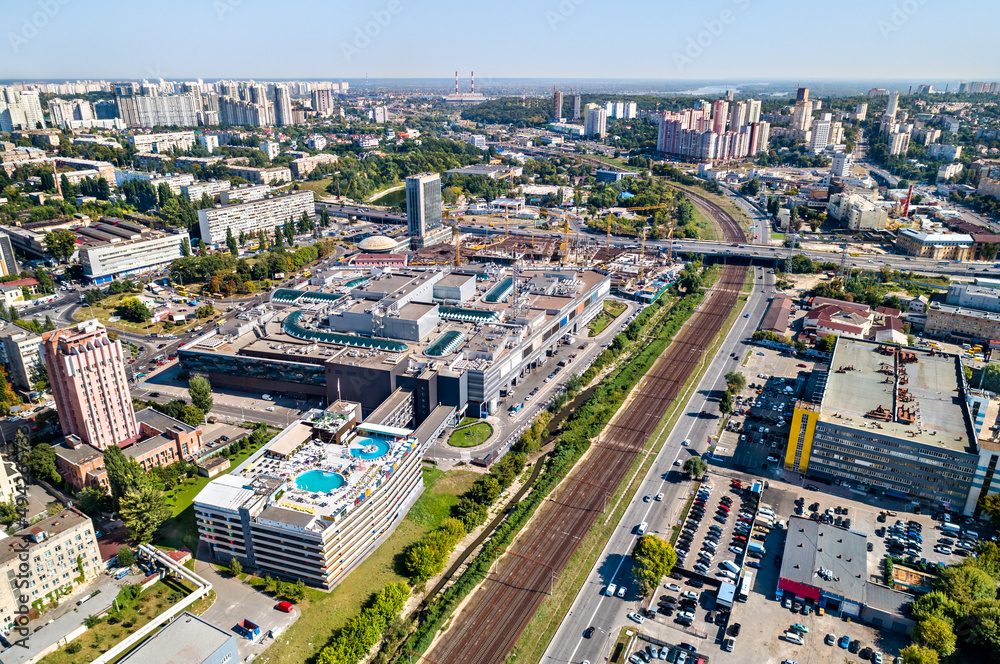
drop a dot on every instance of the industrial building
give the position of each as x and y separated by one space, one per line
828 566
315 500
889 421
453 339
187 639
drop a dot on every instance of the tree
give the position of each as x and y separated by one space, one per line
935 605
278 239
132 308
653 558
991 504
422 561
143 510
289 231
231 242
92 501
695 466
124 474
988 558
936 633
185 247
991 377
235 568
201 393
42 463
726 403
736 381
192 415
61 244
966 584
126 558
989 251
22 444
984 625
915 654
750 188
324 218
826 344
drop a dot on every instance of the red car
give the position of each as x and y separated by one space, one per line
285 606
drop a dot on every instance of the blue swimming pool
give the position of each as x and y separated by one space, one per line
319 481
357 448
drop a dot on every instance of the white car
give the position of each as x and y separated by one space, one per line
686 442
659 496
672 586
677 462
636 617
621 591
611 590
646 499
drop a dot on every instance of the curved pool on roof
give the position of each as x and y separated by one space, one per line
445 344
292 327
359 445
319 481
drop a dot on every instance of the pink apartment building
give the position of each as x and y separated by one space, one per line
87 373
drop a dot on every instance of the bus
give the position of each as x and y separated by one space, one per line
745 585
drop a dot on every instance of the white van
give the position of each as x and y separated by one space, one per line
729 566
641 530
972 534
766 511
794 637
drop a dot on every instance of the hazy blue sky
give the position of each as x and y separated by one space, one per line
670 39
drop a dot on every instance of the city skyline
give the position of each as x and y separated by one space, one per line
531 40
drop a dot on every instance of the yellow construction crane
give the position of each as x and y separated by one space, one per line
642 250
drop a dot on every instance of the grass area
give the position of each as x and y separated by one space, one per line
103 637
322 612
181 530
542 627
106 310
470 436
777 236
391 199
612 310
318 187
622 646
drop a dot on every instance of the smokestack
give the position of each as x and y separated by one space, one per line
473 74
456 81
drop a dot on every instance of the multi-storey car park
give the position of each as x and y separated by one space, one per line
317 499
893 421
453 340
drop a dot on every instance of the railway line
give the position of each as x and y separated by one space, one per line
495 616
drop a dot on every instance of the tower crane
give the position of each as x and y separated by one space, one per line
642 249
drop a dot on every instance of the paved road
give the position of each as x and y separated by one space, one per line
607 614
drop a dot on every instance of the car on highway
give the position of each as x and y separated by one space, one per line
589 632
686 442
677 462
659 497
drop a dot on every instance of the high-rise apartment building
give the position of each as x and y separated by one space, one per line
738 117
595 123
148 110
840 165
322 102
238 113
63 112
87 373
720 115
557 104
861 112
20 109
820 135
282 106
253 215
576 107
753 111
631 110
893 106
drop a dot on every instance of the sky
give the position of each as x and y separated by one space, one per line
633 39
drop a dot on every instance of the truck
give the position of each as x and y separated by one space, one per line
248 629
756 547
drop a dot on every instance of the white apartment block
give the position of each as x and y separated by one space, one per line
631 110
948 171
161 143
118 260
840 165
53 555
176 181
595 121
271 148
244 193
19 109
253 216
275 175
196 190
950 152
820 136
379 115
899 143
316 142
209 141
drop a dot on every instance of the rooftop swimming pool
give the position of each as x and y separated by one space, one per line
319 481
368 448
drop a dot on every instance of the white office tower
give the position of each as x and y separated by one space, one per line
595 121
861 112
840 167
282 106
820 136
893 106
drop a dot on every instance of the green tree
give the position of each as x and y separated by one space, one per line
966 584
143 510
736 381
192 415
984 628
652 559
726 403
324 218
826 344
422 561
235 568
936 633
750 188
695 466
92 501
126 557
201 393
185 247
988 558
22 444
935 604
914 654
231 242
61 244
42 463
289 231
991 504
124 474
132 308
991 377
278 239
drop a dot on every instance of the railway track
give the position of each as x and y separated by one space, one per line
498 612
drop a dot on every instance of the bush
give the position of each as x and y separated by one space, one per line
356 638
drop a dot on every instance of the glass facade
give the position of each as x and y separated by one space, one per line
253 368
